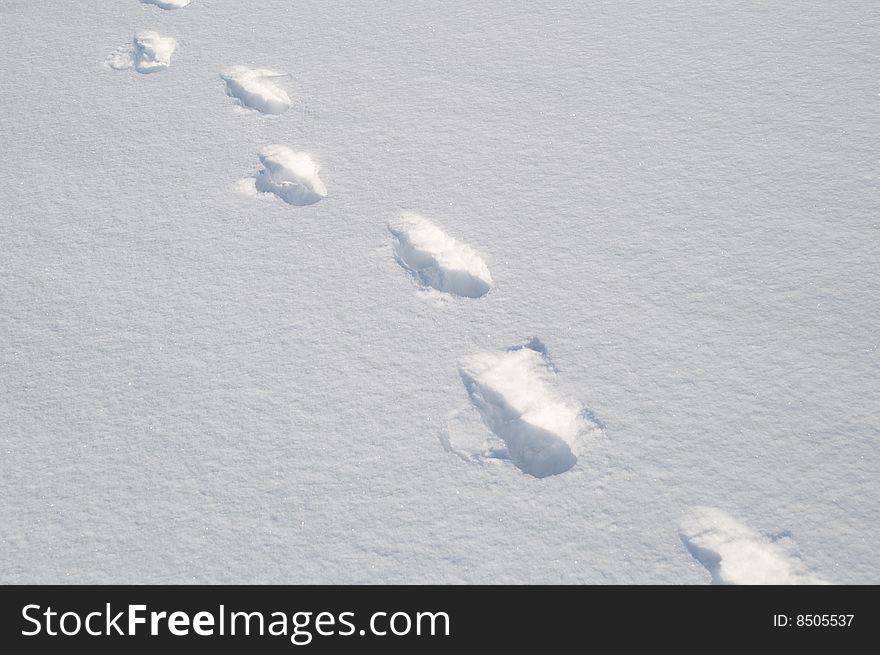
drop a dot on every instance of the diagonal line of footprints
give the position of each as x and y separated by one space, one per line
543 433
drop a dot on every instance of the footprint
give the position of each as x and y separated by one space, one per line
290 175
437 260
148 53
255 88
167 4
735 554
542 432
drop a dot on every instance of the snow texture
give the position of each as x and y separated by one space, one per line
437 260
256 88
290 175
735 554
199 385
514 394
149 53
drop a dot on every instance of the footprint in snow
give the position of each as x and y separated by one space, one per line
733 553
436 260
149 52
288 174
167 4
534 426
257 88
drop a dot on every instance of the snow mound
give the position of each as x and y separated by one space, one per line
437 260
255 88
735 554
149 53
514 393
290 175
167 4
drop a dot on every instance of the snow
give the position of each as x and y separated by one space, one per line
255 88
149 53
437 260
513 392
201 385
167 4
290 175
735 554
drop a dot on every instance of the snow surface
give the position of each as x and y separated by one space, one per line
437 260
679 199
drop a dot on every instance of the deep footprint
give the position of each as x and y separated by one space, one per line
514 392
255 88
733 553
290 175
437 260
167 4
148 53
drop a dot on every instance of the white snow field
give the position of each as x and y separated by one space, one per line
256 88
679 199
437 260
736 554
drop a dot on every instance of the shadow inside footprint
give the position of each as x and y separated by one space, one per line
708 558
